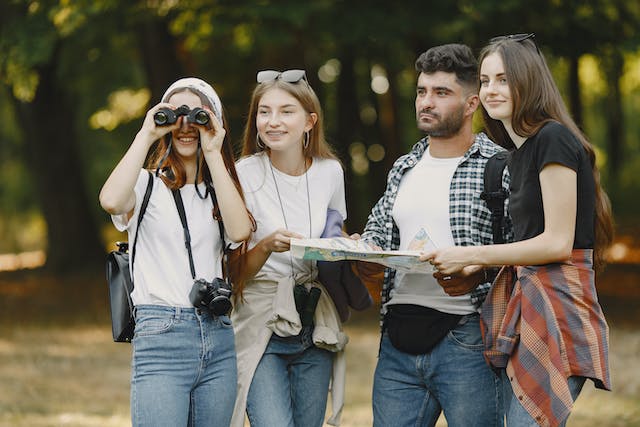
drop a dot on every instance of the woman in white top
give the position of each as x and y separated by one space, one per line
290 178
183 356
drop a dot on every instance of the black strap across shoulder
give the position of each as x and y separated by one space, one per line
143 209
494 194
185 227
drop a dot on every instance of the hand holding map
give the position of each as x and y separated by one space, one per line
344 248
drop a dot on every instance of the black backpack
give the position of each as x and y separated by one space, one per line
494 194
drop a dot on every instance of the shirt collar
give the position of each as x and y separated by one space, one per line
481 144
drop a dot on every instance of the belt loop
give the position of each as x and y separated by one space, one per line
178 311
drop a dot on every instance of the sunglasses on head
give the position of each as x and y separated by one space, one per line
516 38
289 76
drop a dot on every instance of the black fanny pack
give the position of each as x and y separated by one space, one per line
415 329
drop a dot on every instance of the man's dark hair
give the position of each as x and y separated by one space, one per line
451 58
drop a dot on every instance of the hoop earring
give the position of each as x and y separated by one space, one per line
307 137
259 143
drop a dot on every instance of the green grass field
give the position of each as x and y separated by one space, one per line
59 366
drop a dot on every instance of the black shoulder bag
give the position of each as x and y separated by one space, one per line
120 280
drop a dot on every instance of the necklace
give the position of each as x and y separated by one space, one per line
284 216
292 181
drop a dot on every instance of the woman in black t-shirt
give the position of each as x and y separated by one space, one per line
543 324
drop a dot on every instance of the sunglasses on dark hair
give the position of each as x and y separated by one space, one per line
289 76
516 38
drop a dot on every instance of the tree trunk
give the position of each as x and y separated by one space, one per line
348 128
394 147
575 100
614 64
159 51
47 124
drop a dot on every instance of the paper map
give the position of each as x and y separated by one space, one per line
344 248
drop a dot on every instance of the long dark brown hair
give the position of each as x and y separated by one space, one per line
537 101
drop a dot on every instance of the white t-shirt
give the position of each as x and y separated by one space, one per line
325 179
162 273
423 202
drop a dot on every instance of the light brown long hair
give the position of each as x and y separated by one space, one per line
537 101
302 91
317 147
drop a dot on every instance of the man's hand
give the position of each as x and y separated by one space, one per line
371 273
462 283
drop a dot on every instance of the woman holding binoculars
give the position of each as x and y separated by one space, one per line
183 355
286 344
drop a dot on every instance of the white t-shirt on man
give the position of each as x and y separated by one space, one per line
423 203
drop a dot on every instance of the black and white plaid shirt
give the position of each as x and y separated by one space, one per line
469 216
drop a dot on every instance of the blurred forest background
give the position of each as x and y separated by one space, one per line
77 77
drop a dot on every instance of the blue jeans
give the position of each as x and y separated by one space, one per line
517 416
184 368
291 383
453 378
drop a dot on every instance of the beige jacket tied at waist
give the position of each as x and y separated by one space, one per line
268 306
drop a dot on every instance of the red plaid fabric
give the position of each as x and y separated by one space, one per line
544 324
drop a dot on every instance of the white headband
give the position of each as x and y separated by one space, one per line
199 86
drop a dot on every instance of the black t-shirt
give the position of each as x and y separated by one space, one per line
553 143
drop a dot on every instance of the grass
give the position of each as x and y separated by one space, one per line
60 367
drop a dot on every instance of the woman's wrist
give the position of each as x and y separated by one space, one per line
144 138
214 160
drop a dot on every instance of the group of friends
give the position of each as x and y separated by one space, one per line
498 334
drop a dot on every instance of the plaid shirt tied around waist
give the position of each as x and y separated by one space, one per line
469 216
544 324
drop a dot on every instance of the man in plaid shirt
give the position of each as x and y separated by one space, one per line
431 358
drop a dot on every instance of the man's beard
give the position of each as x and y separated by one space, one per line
447 127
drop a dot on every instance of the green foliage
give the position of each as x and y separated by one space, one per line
27 39
102 47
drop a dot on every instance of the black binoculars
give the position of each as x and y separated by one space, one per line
306 302
167 116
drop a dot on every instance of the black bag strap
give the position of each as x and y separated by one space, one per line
143 209
494 194
185 227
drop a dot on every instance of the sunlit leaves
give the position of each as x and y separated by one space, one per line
123 106
243 37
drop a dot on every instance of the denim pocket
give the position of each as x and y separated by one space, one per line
467 334
153 325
